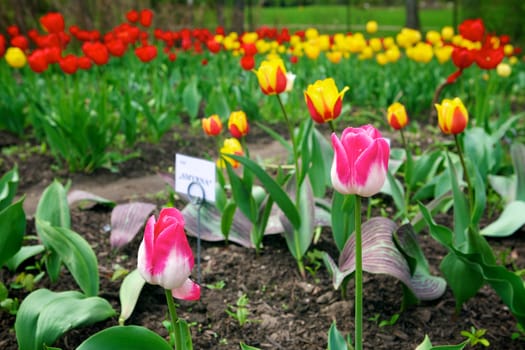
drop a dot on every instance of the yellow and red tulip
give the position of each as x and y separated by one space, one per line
360 161
397 116
212 125
231 146
238 124
324 100
452 116
272 76
165 257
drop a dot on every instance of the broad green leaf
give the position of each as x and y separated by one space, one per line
505 186
183 330
274 189
23 254
507 284
461 210
53 208
425 167
517 151
86 198
8 187
127 220
45 315
129 294
192 98
12 230
77 254
216 103
321 161
397 193
125 338
427 345
479 193
299 240
342 218
510 220
380 255
227 218
242 194
336 341
247 347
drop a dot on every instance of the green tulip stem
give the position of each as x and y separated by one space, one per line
332 125
174 319
408 171
292 138
358 277
467 177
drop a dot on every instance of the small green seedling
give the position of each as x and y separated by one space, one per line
476 336
240 311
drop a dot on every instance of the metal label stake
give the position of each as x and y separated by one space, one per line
197 197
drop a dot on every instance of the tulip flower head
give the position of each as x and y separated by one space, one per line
238 124
231 146
15 57
165 257
324 100
397 116
272 76
452 116
360 161
212 125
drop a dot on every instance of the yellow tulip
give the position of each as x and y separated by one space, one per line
272 76
371 27
230 146
15 57
397 116
452 116
503 70
324 100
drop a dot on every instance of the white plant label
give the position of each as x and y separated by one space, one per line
195 177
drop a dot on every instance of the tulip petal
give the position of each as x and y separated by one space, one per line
371 167
188 291
340 172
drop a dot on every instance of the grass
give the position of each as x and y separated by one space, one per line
335 18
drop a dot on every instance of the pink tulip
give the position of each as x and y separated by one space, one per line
360 161
165 257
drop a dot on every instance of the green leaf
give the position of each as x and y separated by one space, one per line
427 345
461 211
12 230
227 218
23 254
182 328
517 152
8 187
77 254
217 104
342 219
380 255
321 158
299 239
45 315
242 193
336 341
247 347
125 338
191 98
397 192
274 189
54 209
510 220
129 294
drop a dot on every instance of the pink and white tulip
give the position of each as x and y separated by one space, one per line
165 257
360 161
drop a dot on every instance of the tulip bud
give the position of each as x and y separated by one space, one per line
324 101
15 57
165 257
360 161
452 116
272 76
238 124
230 146
212 125
397 116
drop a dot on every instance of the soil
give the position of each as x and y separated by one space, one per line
286 311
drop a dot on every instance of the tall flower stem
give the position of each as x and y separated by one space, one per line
408 171
297 177
467 177
173 318
358 277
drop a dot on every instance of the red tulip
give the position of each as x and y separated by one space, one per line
213 45
146 53
472 29
462 57
38 61
489 57
97 52
116 47
53 54
13 31
146 16
247 62
2 45
249 49
53 22
132 16
84 62
21 42
68 64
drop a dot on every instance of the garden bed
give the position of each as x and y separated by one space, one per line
286 311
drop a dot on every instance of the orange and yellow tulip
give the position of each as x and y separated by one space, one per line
238 124
212 125
231 146
397 116
272 76
452 116
324 100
